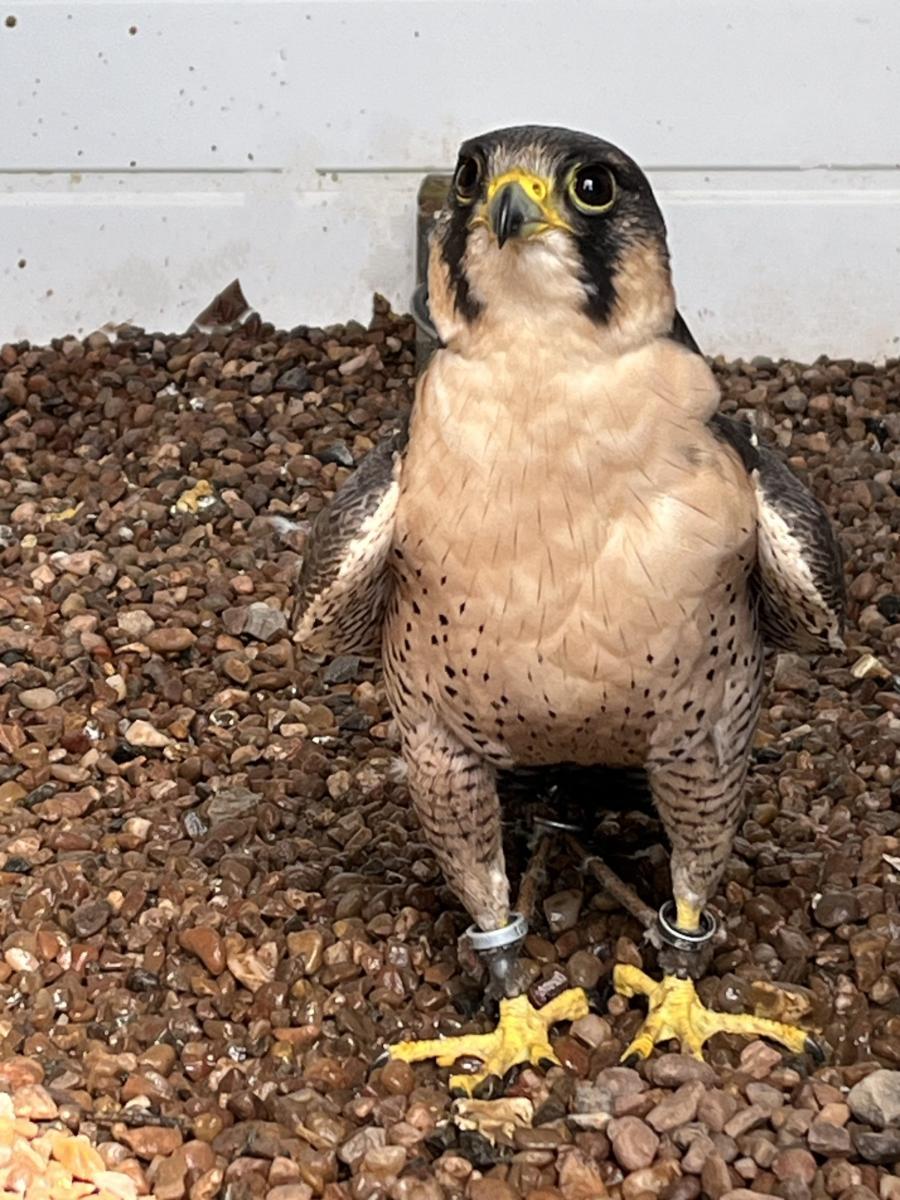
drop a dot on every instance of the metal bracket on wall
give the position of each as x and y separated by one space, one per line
432 193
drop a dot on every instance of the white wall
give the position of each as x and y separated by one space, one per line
284 142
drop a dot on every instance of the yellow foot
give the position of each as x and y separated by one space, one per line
521 1036
677 1012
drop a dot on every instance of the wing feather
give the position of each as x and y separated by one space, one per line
800 573
344 581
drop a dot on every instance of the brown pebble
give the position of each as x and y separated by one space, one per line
584 969
34 1102
398 1078
37 699
825 1138
593 1030
795 1163
307 947
715 1177
207 945
650 1180
759 1059
716 1108
169 639
677 1109
236 668
672 1070
633 1142
90 918
149 1140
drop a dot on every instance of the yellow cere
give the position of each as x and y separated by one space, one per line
539 189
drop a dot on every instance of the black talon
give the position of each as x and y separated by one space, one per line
598 998
471 1004
632 1060
458 1093
511 1076
381 1059
546 1063
815 1050
489 1089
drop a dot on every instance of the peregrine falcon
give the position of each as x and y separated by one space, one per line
571 558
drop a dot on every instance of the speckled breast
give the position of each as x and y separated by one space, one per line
556 605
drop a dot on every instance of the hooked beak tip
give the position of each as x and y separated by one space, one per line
511 210
505 222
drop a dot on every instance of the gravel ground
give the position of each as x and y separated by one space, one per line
215 905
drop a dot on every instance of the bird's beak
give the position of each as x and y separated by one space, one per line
519 205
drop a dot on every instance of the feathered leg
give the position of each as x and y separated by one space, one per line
455 796
700 800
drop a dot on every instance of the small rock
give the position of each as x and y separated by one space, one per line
584 969
170 639
149 1140
77 1155
880 1147
593 1030
677 1109
18 1072
672 1070
795 1163
836 908
142 733
360 1143
136 624
236 668
746 1119
290 1191
170 1180
633 1142
37 699
562 909
209 1185
250 965
294 379
342 669
338 452
650 1180
791 673
35 1103
11 793
89 918
307 947
759 1060
876 1099
715 1177
398 1078
496 1189
207 945
824 1138
579 1178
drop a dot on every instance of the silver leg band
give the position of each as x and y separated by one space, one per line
684 939
496 939
556 826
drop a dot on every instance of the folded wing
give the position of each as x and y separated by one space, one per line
344 582
799 575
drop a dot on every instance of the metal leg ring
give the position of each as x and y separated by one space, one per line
553 826
684 939
496 939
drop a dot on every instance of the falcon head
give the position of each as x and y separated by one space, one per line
546 230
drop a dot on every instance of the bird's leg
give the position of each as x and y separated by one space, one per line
455 795
700 813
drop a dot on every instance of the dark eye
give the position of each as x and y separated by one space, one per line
592 189
467 178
